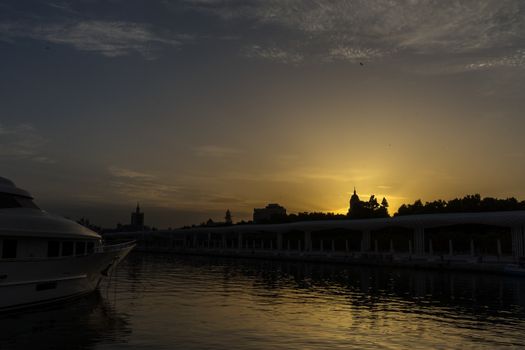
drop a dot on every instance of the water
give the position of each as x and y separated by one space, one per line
157 301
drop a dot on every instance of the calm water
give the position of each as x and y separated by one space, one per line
172 302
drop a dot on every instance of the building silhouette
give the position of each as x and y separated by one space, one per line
354 202
137 219
272 213
228 218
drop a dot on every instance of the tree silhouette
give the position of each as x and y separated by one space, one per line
372 203
370 209
470 203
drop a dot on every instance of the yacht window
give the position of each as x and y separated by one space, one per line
53 249
90 247
67 248
8 201
14 201
9 249
80 248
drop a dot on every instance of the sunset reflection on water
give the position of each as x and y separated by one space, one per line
166 302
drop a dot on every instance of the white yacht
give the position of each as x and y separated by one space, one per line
46 258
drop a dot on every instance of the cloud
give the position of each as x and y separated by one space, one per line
22 141
370 29
515 59
65 7
108 38
225 199
137 185
44 160
132 185
354 54
485 61
127 173
273 54
216 151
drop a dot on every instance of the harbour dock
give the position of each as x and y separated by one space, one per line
485 242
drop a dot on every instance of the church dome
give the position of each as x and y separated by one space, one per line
354 201
355 197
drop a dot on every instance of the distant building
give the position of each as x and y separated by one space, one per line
228 218
354 202
271 213
137 219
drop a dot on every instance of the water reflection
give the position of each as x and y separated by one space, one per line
473 293
77 324
167 302
253 304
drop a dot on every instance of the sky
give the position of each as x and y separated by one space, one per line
192 107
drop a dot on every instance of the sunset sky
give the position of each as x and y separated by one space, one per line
192 107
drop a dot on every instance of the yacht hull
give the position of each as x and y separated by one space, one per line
31 282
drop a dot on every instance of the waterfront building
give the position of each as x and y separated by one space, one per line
272 213
137 219
488 241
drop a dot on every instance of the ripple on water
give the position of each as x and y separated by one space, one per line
169 302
